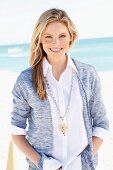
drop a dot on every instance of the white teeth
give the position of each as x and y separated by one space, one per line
55 49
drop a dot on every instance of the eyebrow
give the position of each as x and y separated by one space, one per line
59 34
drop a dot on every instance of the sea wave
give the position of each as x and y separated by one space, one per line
14 50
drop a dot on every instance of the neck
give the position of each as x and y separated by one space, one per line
58 66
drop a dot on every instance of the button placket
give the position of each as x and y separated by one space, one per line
61 99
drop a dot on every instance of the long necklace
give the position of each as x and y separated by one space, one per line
63 128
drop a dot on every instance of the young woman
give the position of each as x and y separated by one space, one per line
58 100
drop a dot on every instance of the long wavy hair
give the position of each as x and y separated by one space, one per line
36 50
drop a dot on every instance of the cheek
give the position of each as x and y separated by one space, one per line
65 44
45 44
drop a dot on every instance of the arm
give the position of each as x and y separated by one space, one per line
19 116
21 110
96 144
98 113
22 143
96 106
39 160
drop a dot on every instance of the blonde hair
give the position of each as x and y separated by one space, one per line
36 51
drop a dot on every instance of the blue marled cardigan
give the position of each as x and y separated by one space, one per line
27 105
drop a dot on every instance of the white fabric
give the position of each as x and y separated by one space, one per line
100 132
66 148
51 164
17 130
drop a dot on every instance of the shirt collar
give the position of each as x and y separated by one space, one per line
71 64
46 65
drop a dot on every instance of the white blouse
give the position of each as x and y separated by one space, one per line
66 149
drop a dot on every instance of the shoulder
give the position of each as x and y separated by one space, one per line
82 66
84 69
23 84
87 74
26 73
24 76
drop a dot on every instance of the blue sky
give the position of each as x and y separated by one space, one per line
93 18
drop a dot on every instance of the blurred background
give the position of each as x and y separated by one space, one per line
93 20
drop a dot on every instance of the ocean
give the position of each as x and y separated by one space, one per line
97 52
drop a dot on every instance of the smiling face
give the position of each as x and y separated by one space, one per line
55 40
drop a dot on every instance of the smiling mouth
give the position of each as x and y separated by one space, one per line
55 49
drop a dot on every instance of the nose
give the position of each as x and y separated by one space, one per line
56 41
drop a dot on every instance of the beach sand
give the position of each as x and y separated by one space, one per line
7 81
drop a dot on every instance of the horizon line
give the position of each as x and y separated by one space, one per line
79 39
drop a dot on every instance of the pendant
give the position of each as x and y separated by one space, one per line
63 128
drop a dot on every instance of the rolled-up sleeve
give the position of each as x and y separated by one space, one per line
101 133
21 107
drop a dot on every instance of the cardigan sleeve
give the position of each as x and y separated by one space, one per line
21 107
96 104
